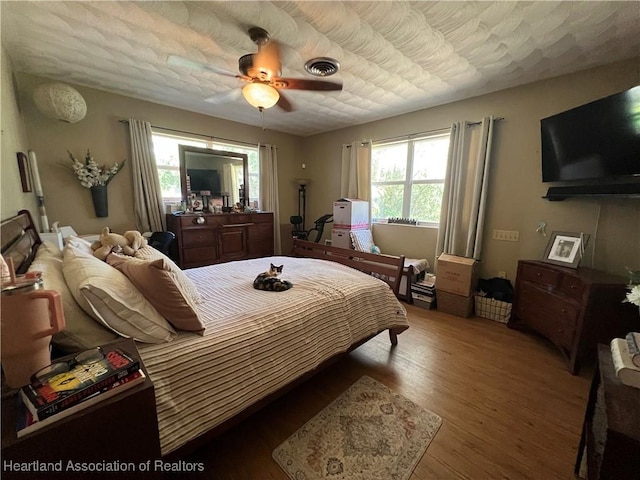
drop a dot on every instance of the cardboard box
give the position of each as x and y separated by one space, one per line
454 304
457 275
350 214
340 238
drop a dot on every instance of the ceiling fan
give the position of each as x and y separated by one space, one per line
261 71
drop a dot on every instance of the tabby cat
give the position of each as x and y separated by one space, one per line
269 280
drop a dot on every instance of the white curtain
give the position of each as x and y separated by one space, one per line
356 171
465 189
147 195
269 190
230 182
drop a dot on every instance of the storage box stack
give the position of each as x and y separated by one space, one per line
456 284
424 292
348 214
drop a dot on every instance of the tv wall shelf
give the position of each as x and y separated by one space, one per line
617 190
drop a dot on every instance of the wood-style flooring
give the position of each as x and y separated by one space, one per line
510 408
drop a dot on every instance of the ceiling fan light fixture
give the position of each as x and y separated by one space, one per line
260 95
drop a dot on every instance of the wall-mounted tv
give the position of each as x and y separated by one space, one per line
595 144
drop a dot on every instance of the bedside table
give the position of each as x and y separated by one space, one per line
611 431
118 432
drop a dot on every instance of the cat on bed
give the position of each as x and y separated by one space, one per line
269 280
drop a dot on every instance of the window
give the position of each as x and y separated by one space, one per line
168 162
407 179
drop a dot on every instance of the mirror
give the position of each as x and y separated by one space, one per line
213 180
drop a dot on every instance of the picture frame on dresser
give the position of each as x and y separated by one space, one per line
565 249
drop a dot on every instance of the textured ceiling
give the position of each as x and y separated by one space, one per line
395 57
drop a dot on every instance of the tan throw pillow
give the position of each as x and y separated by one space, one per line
156 283
80 332
150 253
111 299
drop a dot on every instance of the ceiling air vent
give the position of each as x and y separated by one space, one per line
322 66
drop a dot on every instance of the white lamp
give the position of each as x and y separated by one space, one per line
60 101
260 95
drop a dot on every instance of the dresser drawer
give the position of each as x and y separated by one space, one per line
201 255
200 237
539 275
552 316
571 286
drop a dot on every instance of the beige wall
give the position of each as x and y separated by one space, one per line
70 204
514 201
14 139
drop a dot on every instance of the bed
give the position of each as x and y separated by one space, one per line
255 344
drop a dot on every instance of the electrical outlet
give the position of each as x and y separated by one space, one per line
502 274
506 235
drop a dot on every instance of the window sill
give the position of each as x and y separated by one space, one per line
420 225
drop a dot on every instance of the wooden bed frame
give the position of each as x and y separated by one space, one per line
20 241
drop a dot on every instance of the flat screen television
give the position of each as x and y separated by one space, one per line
595 144
202 179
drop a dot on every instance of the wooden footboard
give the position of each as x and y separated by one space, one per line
387 267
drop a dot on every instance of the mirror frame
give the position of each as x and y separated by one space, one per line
217 153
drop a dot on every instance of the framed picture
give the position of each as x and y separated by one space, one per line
25 172
565 248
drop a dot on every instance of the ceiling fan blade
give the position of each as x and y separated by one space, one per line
267 59
225 97
303 84
284 104
182 62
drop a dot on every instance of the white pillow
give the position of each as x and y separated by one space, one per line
79 243
81 332
362 240
111 299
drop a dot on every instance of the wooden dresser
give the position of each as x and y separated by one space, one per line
574 308
207 238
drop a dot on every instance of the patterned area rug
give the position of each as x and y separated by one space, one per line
367 433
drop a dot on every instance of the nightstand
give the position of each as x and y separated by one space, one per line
611 431
116 433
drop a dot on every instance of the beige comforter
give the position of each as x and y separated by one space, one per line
256 342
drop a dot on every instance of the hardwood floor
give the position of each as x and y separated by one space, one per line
510 408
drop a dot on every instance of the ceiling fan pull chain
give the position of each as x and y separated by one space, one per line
262 118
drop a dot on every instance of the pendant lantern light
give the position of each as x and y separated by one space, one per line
60 101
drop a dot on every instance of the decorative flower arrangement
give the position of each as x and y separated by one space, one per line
90 173
634 288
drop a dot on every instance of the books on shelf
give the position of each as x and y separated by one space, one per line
82 380
626 370
27 423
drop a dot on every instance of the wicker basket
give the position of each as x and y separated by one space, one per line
493 309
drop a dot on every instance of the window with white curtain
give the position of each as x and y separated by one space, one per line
168 162
407 179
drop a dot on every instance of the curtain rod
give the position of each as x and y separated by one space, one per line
436 130
193 133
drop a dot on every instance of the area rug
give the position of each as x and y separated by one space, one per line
367 433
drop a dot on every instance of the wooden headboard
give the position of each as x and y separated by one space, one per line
20 240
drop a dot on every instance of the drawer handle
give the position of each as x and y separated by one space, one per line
538 274
563 310
560 330
198 220
572 287
231 225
